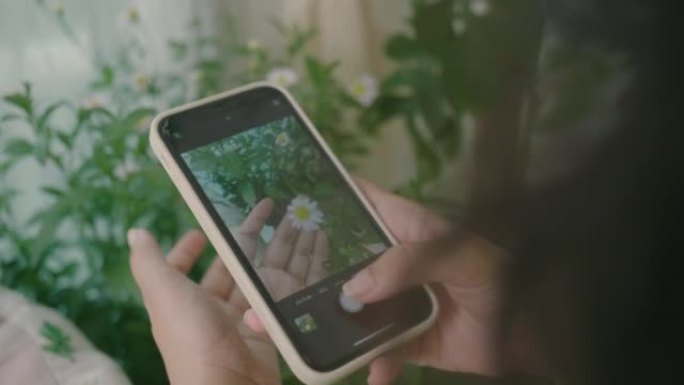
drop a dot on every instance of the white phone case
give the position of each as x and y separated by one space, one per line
299 367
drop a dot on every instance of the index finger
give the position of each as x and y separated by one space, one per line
279 252
408 221
249 231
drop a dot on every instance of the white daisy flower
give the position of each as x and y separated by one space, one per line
282 139
196 76
144 124
365 90
97 100
126 169
458 25
253 44
283 76
479 7
131 15
375 248
304 213
58 8
194 84
140 81
467 121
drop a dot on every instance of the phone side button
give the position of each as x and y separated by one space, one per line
350 304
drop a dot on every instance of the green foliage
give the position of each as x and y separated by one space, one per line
58 342
455 63
70 253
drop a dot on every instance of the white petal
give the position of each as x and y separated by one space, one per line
317 216
283 76
479 7
458 25
375 248
467 121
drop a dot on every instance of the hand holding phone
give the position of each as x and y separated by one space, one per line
198 327
290 225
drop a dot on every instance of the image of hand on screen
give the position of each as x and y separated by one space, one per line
295 257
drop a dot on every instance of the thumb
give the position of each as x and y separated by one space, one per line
462 261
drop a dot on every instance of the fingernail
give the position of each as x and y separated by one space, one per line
133 236
359 285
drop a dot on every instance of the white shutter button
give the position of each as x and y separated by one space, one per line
350 304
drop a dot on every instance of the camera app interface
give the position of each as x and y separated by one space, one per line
290 212
301 228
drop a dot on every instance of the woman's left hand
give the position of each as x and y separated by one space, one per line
199 327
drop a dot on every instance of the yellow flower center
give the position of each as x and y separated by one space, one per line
133 15
141 81
302 213
359 89
282 139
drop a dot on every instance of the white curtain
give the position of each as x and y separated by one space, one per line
353 32
34 48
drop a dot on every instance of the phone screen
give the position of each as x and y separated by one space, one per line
292 220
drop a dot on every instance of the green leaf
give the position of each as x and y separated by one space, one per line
179 49
131 122
106 80
53 191
432 26
18 147
247 193
65 139
9 118
408 80
138 115
233 164
48 221
279 26
45 116
319 72
58 342
402 47
428 161
21 101
84 114
209 67
299 40
68 270
274 192
385 107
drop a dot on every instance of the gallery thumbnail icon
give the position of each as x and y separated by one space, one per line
306 323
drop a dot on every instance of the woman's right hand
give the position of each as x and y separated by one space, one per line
462 269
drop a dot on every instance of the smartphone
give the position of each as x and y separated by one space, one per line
290 225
